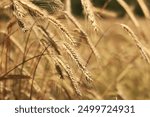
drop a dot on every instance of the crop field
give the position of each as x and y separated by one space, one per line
47 52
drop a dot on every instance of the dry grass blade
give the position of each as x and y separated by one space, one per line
144 8
14 77
21 64
14 41
68 6
128 10
50 39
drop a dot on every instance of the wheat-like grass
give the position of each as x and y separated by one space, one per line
24 20
63 29
87 6
78 26
68 47
59 61
50 39
52 6
70 74
138 43
44 15
78 61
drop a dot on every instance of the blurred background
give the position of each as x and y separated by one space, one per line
109 5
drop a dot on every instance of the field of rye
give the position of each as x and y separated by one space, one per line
47 53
